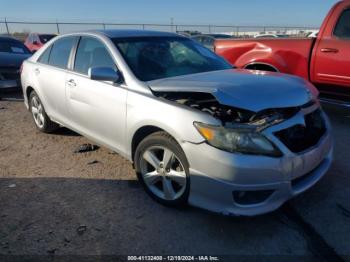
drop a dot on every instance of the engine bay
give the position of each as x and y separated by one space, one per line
228 115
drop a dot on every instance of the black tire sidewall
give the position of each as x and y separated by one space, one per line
163 139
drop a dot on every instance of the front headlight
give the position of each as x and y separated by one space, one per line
241 140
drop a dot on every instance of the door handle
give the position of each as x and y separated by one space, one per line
71 83
329 50
36 71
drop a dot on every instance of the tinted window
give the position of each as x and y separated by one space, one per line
91 53
60 52
208 41
197 38
44 58
12 46
153 58
343 26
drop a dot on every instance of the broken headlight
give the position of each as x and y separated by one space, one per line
242 140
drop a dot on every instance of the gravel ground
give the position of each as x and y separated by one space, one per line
56 202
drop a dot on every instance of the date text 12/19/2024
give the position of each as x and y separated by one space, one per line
173 258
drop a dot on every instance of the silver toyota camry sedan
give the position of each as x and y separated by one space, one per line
236 142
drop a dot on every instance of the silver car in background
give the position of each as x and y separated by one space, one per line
236 142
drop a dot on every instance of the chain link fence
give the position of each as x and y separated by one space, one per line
20 29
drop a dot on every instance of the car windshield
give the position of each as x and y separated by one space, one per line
12 46
46 38
152 58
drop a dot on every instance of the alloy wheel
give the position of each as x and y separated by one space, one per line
37 112
163 172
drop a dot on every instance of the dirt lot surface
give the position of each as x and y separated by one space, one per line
56 202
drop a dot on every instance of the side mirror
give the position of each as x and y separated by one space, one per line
35 43
105 74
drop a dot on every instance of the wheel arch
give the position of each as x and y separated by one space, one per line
261 66
141 134
26 94
28 91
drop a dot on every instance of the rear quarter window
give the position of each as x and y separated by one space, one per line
44 58
60 52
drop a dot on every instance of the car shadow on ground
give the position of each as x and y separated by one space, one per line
91 216
63 131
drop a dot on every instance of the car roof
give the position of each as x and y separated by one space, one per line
123 33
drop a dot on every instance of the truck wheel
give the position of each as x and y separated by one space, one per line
162 169
41 119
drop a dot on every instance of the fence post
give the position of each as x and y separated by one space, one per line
143 26
209 28
7 27
58 28
104 26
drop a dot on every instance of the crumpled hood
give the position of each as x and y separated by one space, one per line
12 60
250 90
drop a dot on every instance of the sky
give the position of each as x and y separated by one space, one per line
221 12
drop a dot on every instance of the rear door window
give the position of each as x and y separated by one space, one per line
342 28
60 52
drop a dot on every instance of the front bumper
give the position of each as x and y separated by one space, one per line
217 177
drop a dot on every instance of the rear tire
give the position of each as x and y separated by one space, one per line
162 169
41 120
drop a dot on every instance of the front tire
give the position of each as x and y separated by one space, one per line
162 169
41 119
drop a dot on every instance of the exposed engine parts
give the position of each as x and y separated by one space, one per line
229 115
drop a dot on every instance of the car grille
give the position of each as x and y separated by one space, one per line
9 74
299 138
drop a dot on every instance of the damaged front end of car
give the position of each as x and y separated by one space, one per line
240 129
231 116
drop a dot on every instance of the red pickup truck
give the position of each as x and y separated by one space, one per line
324 61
